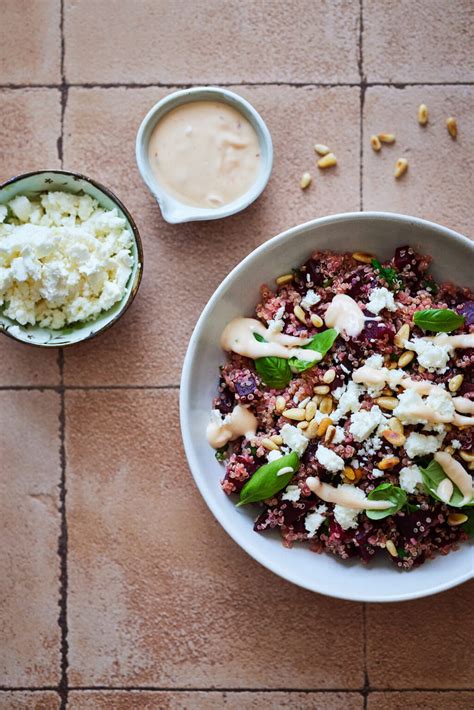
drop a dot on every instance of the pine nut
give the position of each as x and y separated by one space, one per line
304 402
323 425
396 425
321 149
326 405
401 335
386 392
284 279
449 450
316 320
312 430
452 126
455 383
295 414
387 137
466 456
328 161
401 166
375 143
277 439
349 473
363 257
305 181
280 404
423 114
269 445
405 358
329 376
457 519
388 462
311 410
390 547
302 425
394 437
389 403
330 434
300 314
317 399
321 389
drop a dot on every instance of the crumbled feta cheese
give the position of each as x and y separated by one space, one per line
329 459
456 444
314 520
442 403
421 445
277 324
347 517
294 438
311 299
285 469
274 455
410 478
348 401
375 361
430 355
339 436
364 422
381 298
3 213
291 493
408 408
57 267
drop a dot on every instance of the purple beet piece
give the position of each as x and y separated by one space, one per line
246 386
363 548
292 512
226 402
407 524
467 310
375 330
467 389
403 257
313 269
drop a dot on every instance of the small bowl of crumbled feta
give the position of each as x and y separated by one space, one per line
71 258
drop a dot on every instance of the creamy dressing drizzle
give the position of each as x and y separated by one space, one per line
204 153
462 341
344 314
445 490
457 473
238 337
343 496
240 422
367 376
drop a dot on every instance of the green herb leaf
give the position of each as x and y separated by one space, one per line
433 475
221 453
275 372
321 343
390 275
266 482
438 320
394 495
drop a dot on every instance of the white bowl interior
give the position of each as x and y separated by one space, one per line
378 233
52 181
174 211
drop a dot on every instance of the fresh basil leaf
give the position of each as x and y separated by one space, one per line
266 482
275 372
321 343
394 495
433 475
389 274
438 320
221 454
468 526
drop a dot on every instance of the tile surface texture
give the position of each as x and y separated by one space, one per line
210 41
163 609
29 530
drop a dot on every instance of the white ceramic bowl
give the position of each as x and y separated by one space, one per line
174 211
374 232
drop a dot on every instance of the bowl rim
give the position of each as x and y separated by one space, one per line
164 199
186 389
136 235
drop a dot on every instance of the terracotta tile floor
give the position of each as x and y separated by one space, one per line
115 592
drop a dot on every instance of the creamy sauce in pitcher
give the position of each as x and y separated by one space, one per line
205 154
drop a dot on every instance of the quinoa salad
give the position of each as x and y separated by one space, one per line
345 410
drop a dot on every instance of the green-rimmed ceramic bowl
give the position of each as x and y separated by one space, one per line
31 184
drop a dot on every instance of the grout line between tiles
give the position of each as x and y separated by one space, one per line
72 388
363 88
179 85
159 689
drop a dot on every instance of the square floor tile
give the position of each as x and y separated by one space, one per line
422 700
430 40
208 41
439 183
158 593
183 264
29 530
